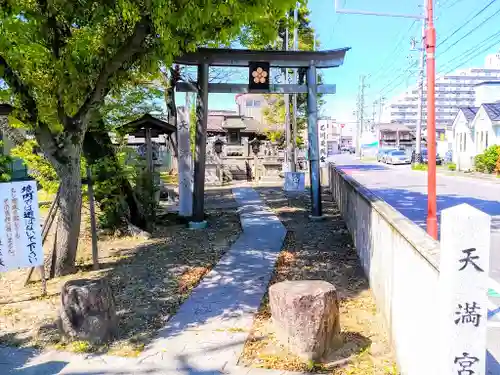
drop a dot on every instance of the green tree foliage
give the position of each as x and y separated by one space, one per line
59 60
5 165
275 112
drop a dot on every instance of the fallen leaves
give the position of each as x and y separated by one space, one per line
149 278
321 250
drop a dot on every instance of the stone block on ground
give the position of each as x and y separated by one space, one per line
87 311
305 315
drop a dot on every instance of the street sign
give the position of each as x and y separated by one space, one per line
294 181
20 237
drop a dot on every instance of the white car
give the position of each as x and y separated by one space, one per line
397 157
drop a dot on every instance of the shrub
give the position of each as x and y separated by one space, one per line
419 167
487 161
497 166
452 166
479 164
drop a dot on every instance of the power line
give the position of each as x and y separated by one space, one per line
471 50
452 4
467 22
476 54
397 79
470 32
391 55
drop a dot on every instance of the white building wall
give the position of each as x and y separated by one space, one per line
484 132
252 105
487 93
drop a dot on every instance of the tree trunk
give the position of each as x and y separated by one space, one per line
69 219
87 311
97 145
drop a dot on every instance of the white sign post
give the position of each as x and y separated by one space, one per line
184 163
463 280
20 238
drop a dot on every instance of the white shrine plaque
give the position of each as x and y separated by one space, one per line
20 237
322 142
294 181
184 163
463 281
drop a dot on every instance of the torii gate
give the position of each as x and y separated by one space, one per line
262 60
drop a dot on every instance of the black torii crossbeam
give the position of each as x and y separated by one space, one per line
310 60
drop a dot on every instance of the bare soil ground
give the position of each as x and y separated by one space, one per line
322 250
149 279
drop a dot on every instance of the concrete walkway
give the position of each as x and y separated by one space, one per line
208 333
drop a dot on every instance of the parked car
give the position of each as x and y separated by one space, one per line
439 159
382 153
397 157
348 149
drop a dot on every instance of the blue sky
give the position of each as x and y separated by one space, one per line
381 46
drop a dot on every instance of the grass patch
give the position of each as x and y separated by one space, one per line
419 167
321 251
149 279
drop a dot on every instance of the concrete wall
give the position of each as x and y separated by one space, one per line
401 262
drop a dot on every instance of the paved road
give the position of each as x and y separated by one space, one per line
406 190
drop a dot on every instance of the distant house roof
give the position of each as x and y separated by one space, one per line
489 83
392 127
469 112
492 110
222 123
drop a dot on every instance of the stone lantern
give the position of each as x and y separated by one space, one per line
218 146
255 144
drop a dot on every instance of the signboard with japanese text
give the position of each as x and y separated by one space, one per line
20 237
295 181
322 141
463 281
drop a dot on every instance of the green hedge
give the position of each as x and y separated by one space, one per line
486 162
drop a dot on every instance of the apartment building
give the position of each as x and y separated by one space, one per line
453 90
252 105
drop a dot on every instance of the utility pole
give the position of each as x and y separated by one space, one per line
430 41
294 97
360 113
381 102
430 47
288 136
420 103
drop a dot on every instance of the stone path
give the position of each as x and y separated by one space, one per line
208 333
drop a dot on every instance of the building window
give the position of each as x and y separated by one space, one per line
253 103
486 140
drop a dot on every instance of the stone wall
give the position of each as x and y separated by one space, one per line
401 262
